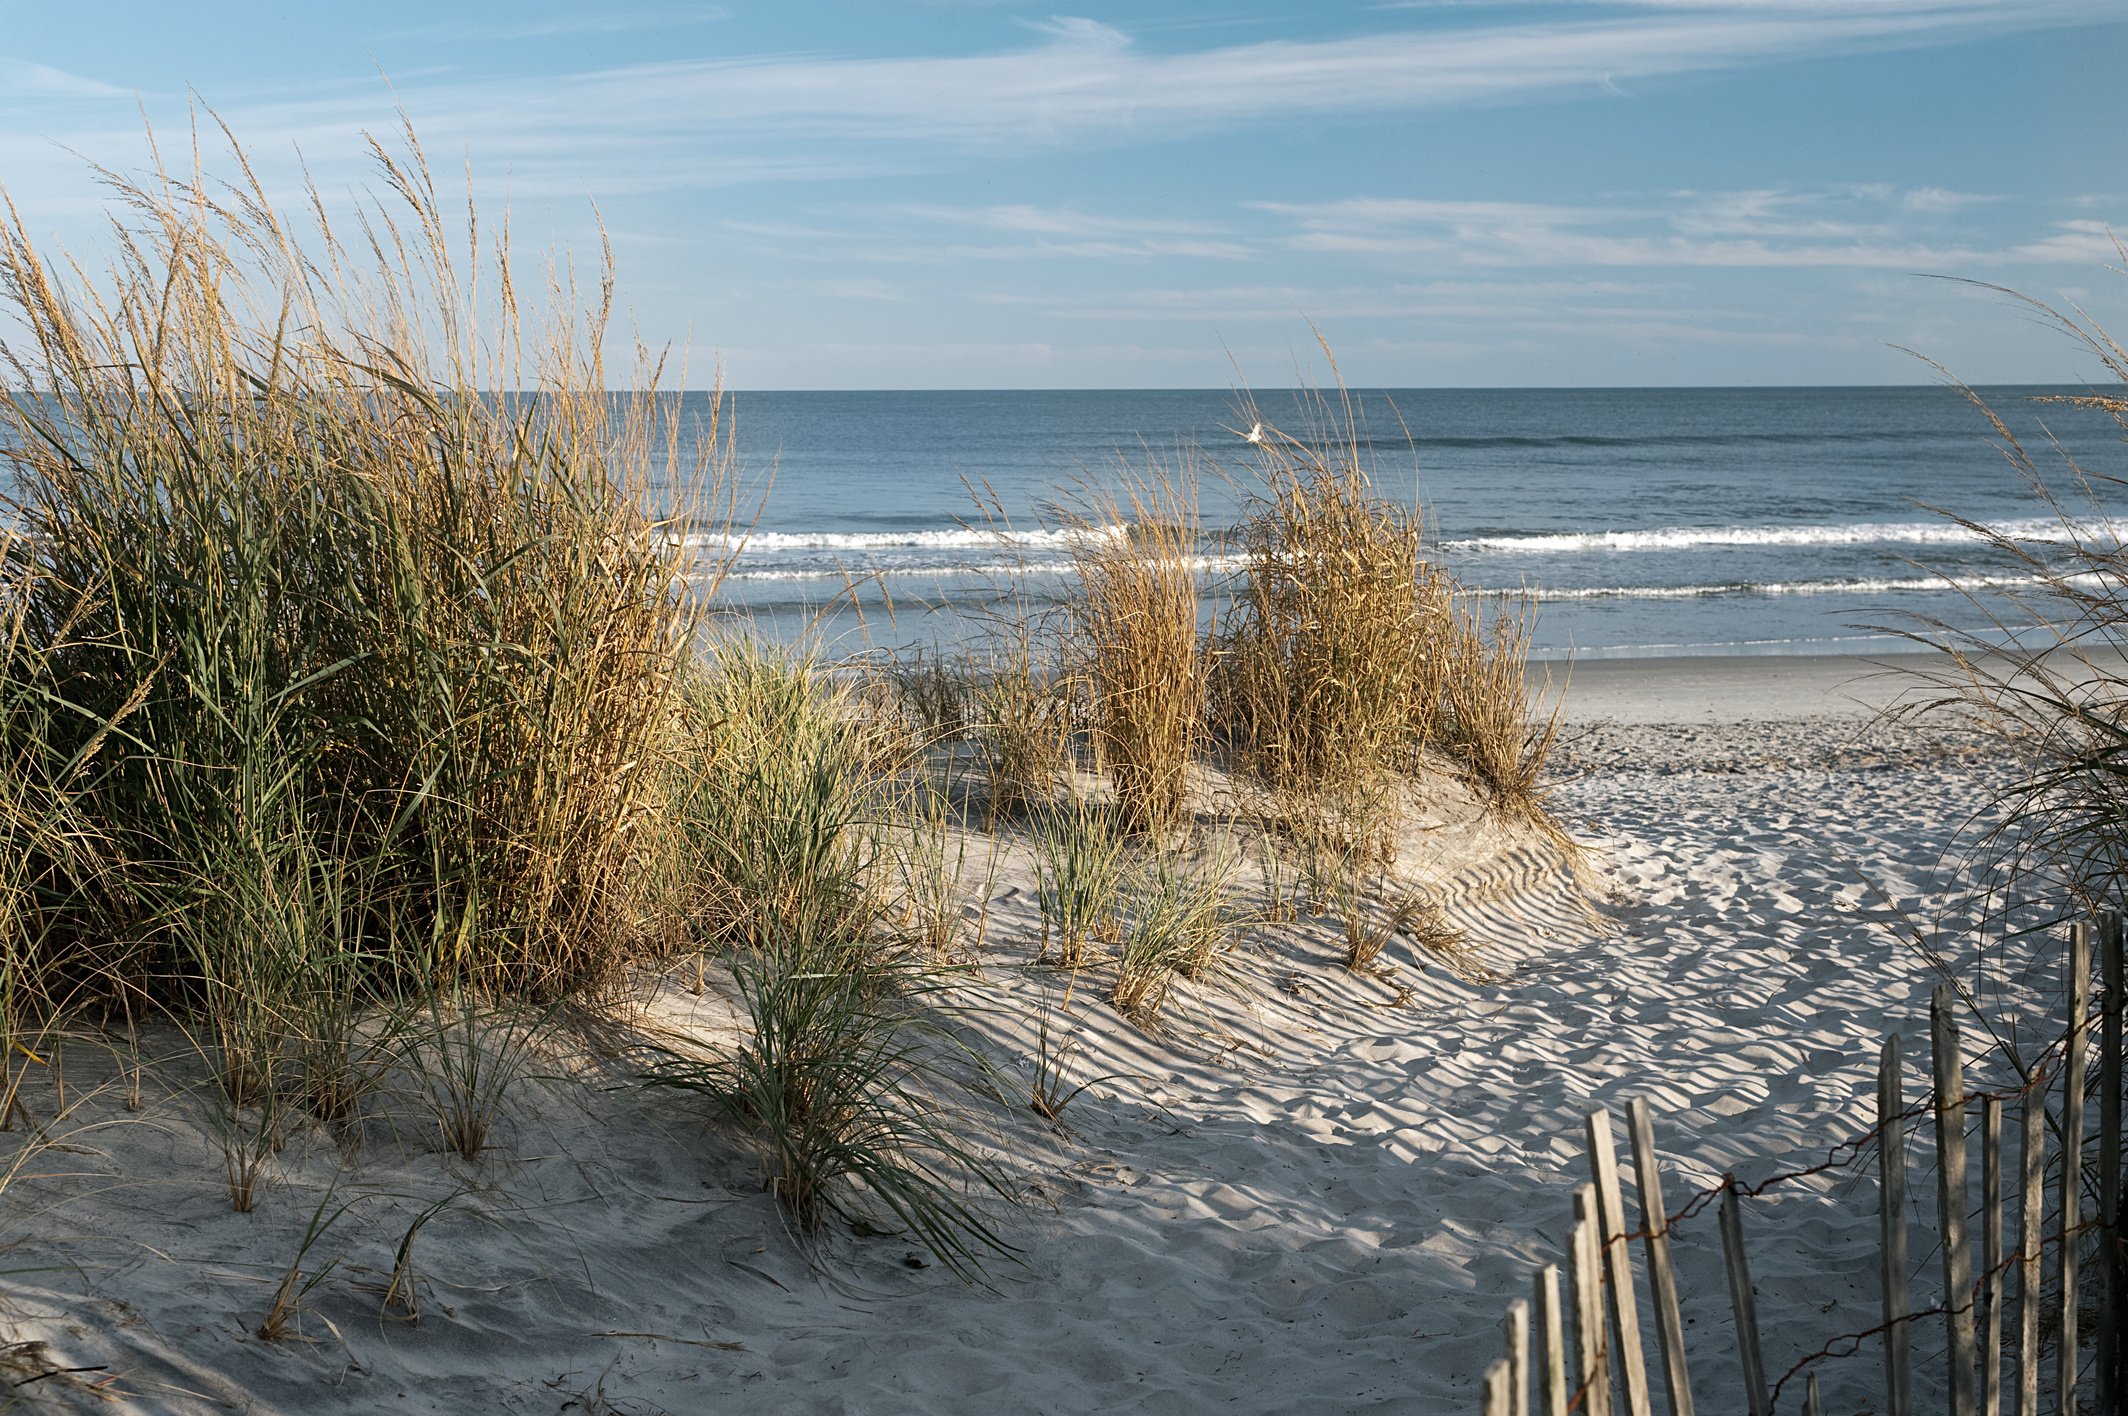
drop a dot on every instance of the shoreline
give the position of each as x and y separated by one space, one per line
1745 688
1735 688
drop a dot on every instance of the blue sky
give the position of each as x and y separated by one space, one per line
948 193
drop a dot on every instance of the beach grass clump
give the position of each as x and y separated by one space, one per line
1021 721
936 692
1180 925
465 1055
1328 664
1489 716
774 799
847 1084
847 1077
1135 620
934 885
339 564
1080 851
2041 666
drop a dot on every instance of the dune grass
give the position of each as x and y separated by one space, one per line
1181 921
2040 666
847 1080
1080 864
1135 623
845 1084
772 799
1489 715
1328 665
1020 720
309 602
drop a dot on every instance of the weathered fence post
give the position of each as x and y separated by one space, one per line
1496 1387
1743 1302
2109 1166
1951 1199
1989 1315
2031 1241
1518 1354
1592 1358
1551 1344
2072 1145
1655 1223
1627 1357
1891 1163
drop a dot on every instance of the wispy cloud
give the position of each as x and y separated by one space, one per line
560 26
704 122
1024 219
20 79
926 234
2077 243
1939 199
1850 227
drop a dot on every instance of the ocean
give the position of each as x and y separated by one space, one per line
1642 521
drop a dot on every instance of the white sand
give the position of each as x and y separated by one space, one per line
1309 1197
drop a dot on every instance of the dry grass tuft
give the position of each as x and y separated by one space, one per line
1021 722
1181 924
1135 617
2045 666
1325 667
1490 716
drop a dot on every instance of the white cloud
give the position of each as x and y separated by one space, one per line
1053 221
1939 199
2076 242
1858 227
20 79
703 122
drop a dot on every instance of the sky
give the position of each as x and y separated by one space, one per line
981 193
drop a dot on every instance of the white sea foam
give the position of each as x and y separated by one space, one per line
1208 565
942 538
950 539
1686 538
1858 586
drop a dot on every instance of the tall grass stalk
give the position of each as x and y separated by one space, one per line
1492 717
1135 618
284 1314
2045 666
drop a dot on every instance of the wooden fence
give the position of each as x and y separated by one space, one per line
1590 1354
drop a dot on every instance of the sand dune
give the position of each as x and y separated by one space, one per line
1317 1193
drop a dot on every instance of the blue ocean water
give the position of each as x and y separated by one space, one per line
1643 521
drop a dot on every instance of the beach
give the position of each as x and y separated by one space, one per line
1318 1191
1131 712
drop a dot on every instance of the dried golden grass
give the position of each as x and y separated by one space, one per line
1135 622
1326 666
2044 666
1490 716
